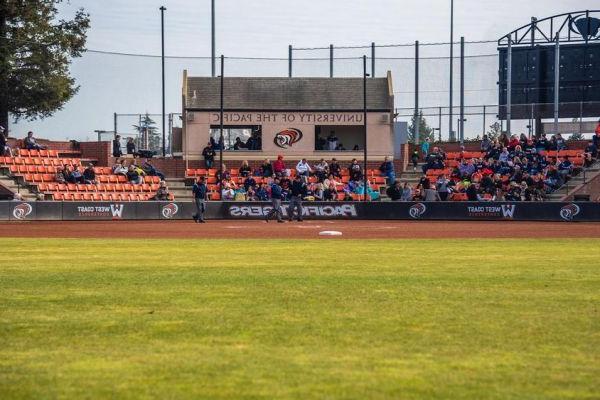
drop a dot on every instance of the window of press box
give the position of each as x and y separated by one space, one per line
237 138
339 138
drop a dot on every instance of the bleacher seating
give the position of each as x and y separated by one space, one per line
37 169
378 182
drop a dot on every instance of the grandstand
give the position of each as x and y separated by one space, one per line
35 171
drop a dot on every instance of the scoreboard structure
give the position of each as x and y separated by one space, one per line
533 49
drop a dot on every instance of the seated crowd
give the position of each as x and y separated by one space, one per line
326 181
511 169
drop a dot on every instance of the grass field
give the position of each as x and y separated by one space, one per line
219 319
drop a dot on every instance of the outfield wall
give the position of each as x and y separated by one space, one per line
463 211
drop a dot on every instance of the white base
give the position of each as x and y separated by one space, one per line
330 233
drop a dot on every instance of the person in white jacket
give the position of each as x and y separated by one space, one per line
303 169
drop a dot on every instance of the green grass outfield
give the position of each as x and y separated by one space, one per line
300 319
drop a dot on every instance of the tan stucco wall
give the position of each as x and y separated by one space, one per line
379 141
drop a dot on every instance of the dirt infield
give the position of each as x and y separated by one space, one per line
306 229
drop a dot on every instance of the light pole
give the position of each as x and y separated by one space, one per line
221 141
212 37
450 117
162 42
365 75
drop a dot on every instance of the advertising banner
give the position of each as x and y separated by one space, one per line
464 211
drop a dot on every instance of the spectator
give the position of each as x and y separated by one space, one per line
486 144
227 191
130 146
443 187
245 169
279 167
332 141
149 170
162 194
4 147
431 195
249 183
223 174
322 170
335 169
30 142
596 137
394 192
266 169
565 168
387 169
303 169
89 175
425 148
592 150
330 193
59 177
133 176
472 194
407 192
209 154
261 193
561 144
72 175
355 171
503 139
415 159
116 147
541 143
120 168
200 191
239 145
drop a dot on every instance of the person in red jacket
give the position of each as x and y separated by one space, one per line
279 166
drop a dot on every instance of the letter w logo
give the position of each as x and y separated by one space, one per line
116 210
508 211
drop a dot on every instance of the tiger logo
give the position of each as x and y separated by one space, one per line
287 137
170 210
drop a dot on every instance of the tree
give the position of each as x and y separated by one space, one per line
495 131
36 49
150 139
425 131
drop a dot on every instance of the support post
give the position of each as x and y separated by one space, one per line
115 117
221 141
440 124
416 127
331 61
290 61
450 110
162 43
484 124
509 85
372 59
365 177
212 38
556 81
462 90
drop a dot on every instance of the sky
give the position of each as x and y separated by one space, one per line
265 28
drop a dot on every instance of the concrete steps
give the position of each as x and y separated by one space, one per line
10 184
179 190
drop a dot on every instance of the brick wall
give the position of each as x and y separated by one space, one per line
96 151
50 144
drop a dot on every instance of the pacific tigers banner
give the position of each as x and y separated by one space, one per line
463 211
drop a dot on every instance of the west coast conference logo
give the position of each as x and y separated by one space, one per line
505 211
170 210
569 212
287 137
114 211
416 211
22 210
